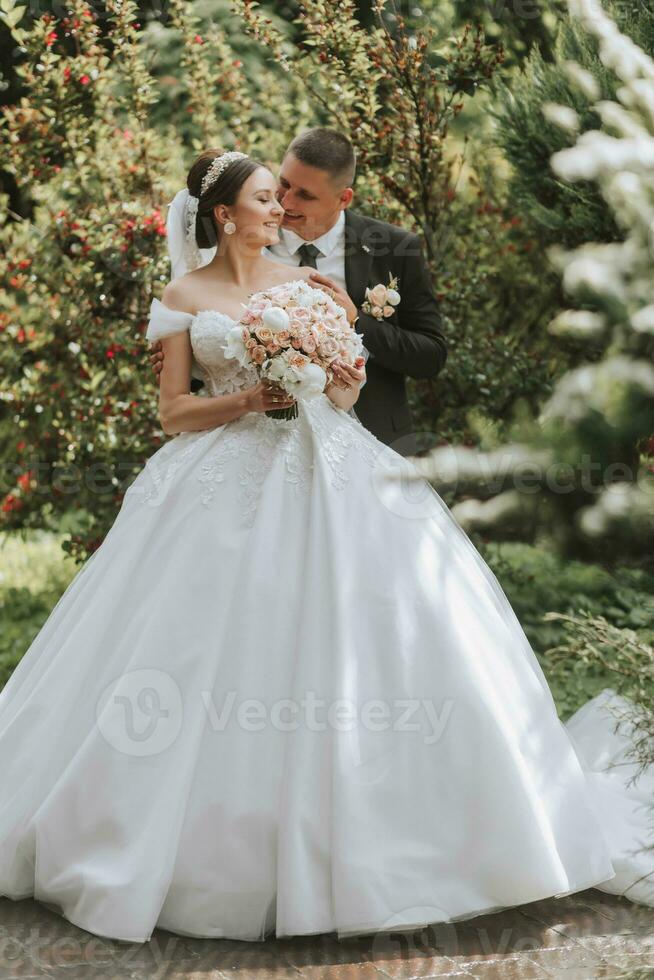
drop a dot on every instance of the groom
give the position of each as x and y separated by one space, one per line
351 252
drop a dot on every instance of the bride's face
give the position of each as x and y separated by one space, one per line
256 213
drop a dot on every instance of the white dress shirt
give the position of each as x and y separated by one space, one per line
332 245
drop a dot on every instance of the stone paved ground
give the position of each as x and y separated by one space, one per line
579 937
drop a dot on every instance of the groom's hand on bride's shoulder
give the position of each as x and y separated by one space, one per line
157 358
348 376
338 294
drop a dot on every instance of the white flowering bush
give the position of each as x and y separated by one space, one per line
579 469
547 103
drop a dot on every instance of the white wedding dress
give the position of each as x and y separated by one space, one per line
285 696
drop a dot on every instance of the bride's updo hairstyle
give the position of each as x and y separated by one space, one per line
223 191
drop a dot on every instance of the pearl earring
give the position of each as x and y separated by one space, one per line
229 227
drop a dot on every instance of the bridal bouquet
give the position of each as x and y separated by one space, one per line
291 334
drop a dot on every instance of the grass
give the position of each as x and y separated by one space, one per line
537 581
34 572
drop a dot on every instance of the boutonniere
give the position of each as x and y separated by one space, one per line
381 300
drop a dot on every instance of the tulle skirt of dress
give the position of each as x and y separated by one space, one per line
286 696
605 732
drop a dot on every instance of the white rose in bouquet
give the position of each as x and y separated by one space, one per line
235 346
276 319
311 381
304 295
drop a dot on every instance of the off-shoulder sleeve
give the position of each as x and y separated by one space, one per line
164 322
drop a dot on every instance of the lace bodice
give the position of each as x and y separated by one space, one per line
207 332
221 374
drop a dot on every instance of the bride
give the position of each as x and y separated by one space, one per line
284 696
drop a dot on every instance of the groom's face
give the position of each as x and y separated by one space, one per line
312 201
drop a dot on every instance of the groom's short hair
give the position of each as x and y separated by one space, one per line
326 149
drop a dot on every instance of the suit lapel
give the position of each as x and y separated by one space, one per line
358 260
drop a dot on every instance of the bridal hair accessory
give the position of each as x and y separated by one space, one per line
183 251
218 165
180 224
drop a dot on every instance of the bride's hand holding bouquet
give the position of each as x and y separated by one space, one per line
267 397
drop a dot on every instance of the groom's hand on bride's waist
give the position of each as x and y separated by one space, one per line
338 294
156 358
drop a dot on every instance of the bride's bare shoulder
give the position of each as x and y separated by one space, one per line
292 274
178 294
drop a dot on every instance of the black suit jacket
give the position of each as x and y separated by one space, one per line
410 343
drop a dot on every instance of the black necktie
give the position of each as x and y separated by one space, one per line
308 254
